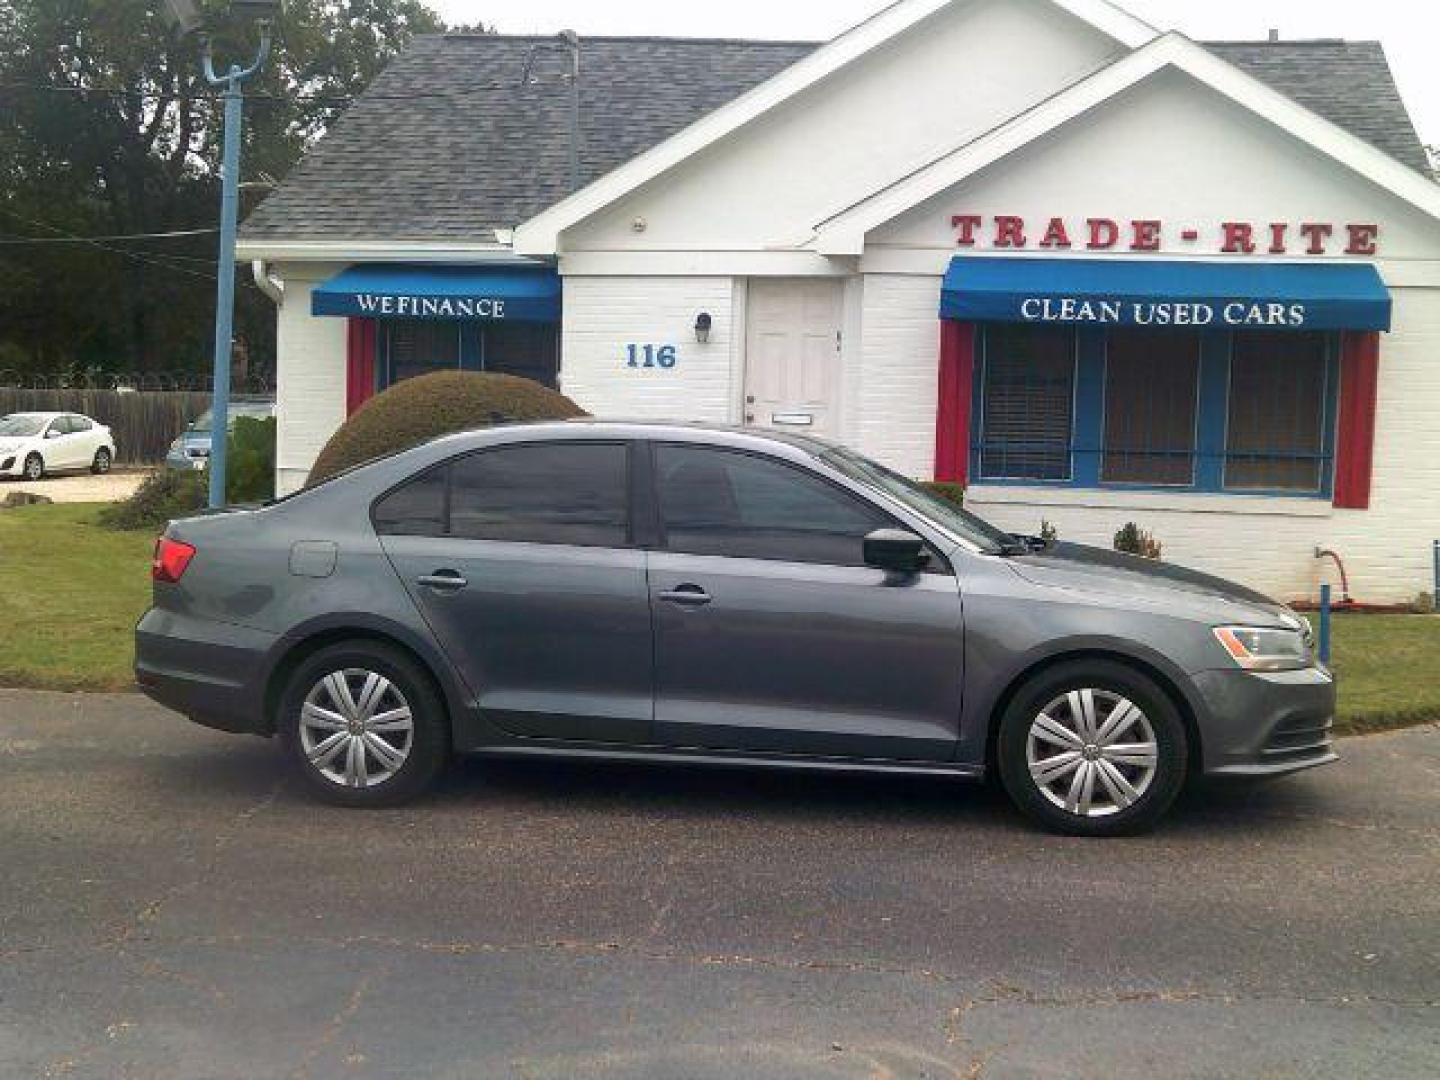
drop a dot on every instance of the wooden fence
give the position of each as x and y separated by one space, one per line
145 422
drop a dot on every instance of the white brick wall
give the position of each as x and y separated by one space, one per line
310 384
604 315
895 403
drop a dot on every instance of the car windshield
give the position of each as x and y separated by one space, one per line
259 410
21 424
942 511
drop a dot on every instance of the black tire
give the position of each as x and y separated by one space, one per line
1107 678
101 465
34 468
429 747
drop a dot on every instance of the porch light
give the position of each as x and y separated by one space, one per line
703 324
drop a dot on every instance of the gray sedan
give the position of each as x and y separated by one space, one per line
683 594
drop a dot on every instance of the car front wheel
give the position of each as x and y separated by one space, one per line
363 726
34 468
1093 749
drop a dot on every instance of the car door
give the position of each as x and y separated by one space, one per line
771 634
521 560
85 436
59 445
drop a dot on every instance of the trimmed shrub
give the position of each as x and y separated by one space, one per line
164 495
1133 540
250 470
417 410
954 493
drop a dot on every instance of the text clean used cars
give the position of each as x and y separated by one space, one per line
35 444
677 593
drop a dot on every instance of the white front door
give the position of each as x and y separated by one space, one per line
792 352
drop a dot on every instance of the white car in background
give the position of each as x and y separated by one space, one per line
34 444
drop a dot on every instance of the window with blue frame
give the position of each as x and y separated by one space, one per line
411 347
1131 407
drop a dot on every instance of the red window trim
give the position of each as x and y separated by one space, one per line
957 382
1359 395
359 364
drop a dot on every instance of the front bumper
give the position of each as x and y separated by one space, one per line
212 672
1267 723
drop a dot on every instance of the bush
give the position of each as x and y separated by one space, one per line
418 410
948 491
250 470
163 496
1133 540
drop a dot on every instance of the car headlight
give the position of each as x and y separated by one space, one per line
1265 648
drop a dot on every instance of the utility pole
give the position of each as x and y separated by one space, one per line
184 16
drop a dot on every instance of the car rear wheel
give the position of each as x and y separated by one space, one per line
101 465
1093 749
34 468
363 726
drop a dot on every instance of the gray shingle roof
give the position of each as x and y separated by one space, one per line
447 144
1347 82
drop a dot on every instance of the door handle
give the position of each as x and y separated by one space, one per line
443 581
687 596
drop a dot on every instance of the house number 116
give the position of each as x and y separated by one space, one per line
652 356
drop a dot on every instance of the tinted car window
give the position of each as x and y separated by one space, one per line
558 493
78 424
415 509
720 502
60 426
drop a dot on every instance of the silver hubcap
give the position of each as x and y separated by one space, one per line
356 728
102 461
34 469
1092 752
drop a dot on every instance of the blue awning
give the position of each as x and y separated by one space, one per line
512 294
1153 292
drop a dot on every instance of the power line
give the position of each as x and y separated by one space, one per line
134 256
175 233
457 95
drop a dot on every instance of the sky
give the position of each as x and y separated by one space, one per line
1407 28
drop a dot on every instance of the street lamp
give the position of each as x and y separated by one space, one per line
185 18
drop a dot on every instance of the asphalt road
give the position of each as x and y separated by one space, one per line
170 907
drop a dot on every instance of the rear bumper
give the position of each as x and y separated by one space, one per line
214 673
1267 723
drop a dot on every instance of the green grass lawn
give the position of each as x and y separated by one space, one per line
70 594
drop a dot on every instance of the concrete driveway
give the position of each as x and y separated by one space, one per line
81 487
171 907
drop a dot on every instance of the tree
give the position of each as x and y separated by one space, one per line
107 129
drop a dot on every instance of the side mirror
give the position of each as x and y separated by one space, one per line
895 549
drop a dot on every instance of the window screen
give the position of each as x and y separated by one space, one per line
719 502
529 350
570 493
1028 403
1151 389
1278 386
416 347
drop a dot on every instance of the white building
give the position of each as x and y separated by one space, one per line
1096 272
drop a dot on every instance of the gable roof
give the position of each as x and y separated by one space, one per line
844 233
448 146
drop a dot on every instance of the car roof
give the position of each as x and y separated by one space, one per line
37 415
685 431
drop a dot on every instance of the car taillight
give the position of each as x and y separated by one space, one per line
172 557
